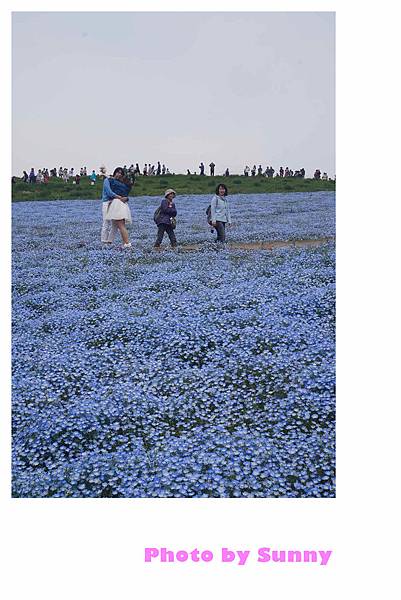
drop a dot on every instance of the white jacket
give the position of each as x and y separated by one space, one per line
220 211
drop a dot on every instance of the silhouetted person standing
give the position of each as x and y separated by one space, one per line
212 166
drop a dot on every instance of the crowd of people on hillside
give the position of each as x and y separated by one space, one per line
269 171
44 175
149 170
67 175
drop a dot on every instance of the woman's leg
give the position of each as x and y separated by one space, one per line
171 235
160 234
106 226
122 229
113 232
224 232
221 231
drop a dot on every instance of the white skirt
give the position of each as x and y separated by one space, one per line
118 210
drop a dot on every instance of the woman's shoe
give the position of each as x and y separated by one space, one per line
127 245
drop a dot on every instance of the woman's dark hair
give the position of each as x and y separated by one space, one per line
128 181
223 186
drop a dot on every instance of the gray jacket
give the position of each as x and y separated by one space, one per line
220 211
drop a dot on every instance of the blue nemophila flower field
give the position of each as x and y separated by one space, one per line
173 374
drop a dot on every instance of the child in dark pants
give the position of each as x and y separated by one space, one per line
167 212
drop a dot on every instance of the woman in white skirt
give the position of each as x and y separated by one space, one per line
118 210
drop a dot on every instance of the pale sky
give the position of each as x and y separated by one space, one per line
118 88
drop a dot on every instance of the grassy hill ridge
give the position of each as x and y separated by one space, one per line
57 189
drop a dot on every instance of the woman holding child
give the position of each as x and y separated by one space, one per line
115 209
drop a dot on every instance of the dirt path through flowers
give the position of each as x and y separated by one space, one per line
265 245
